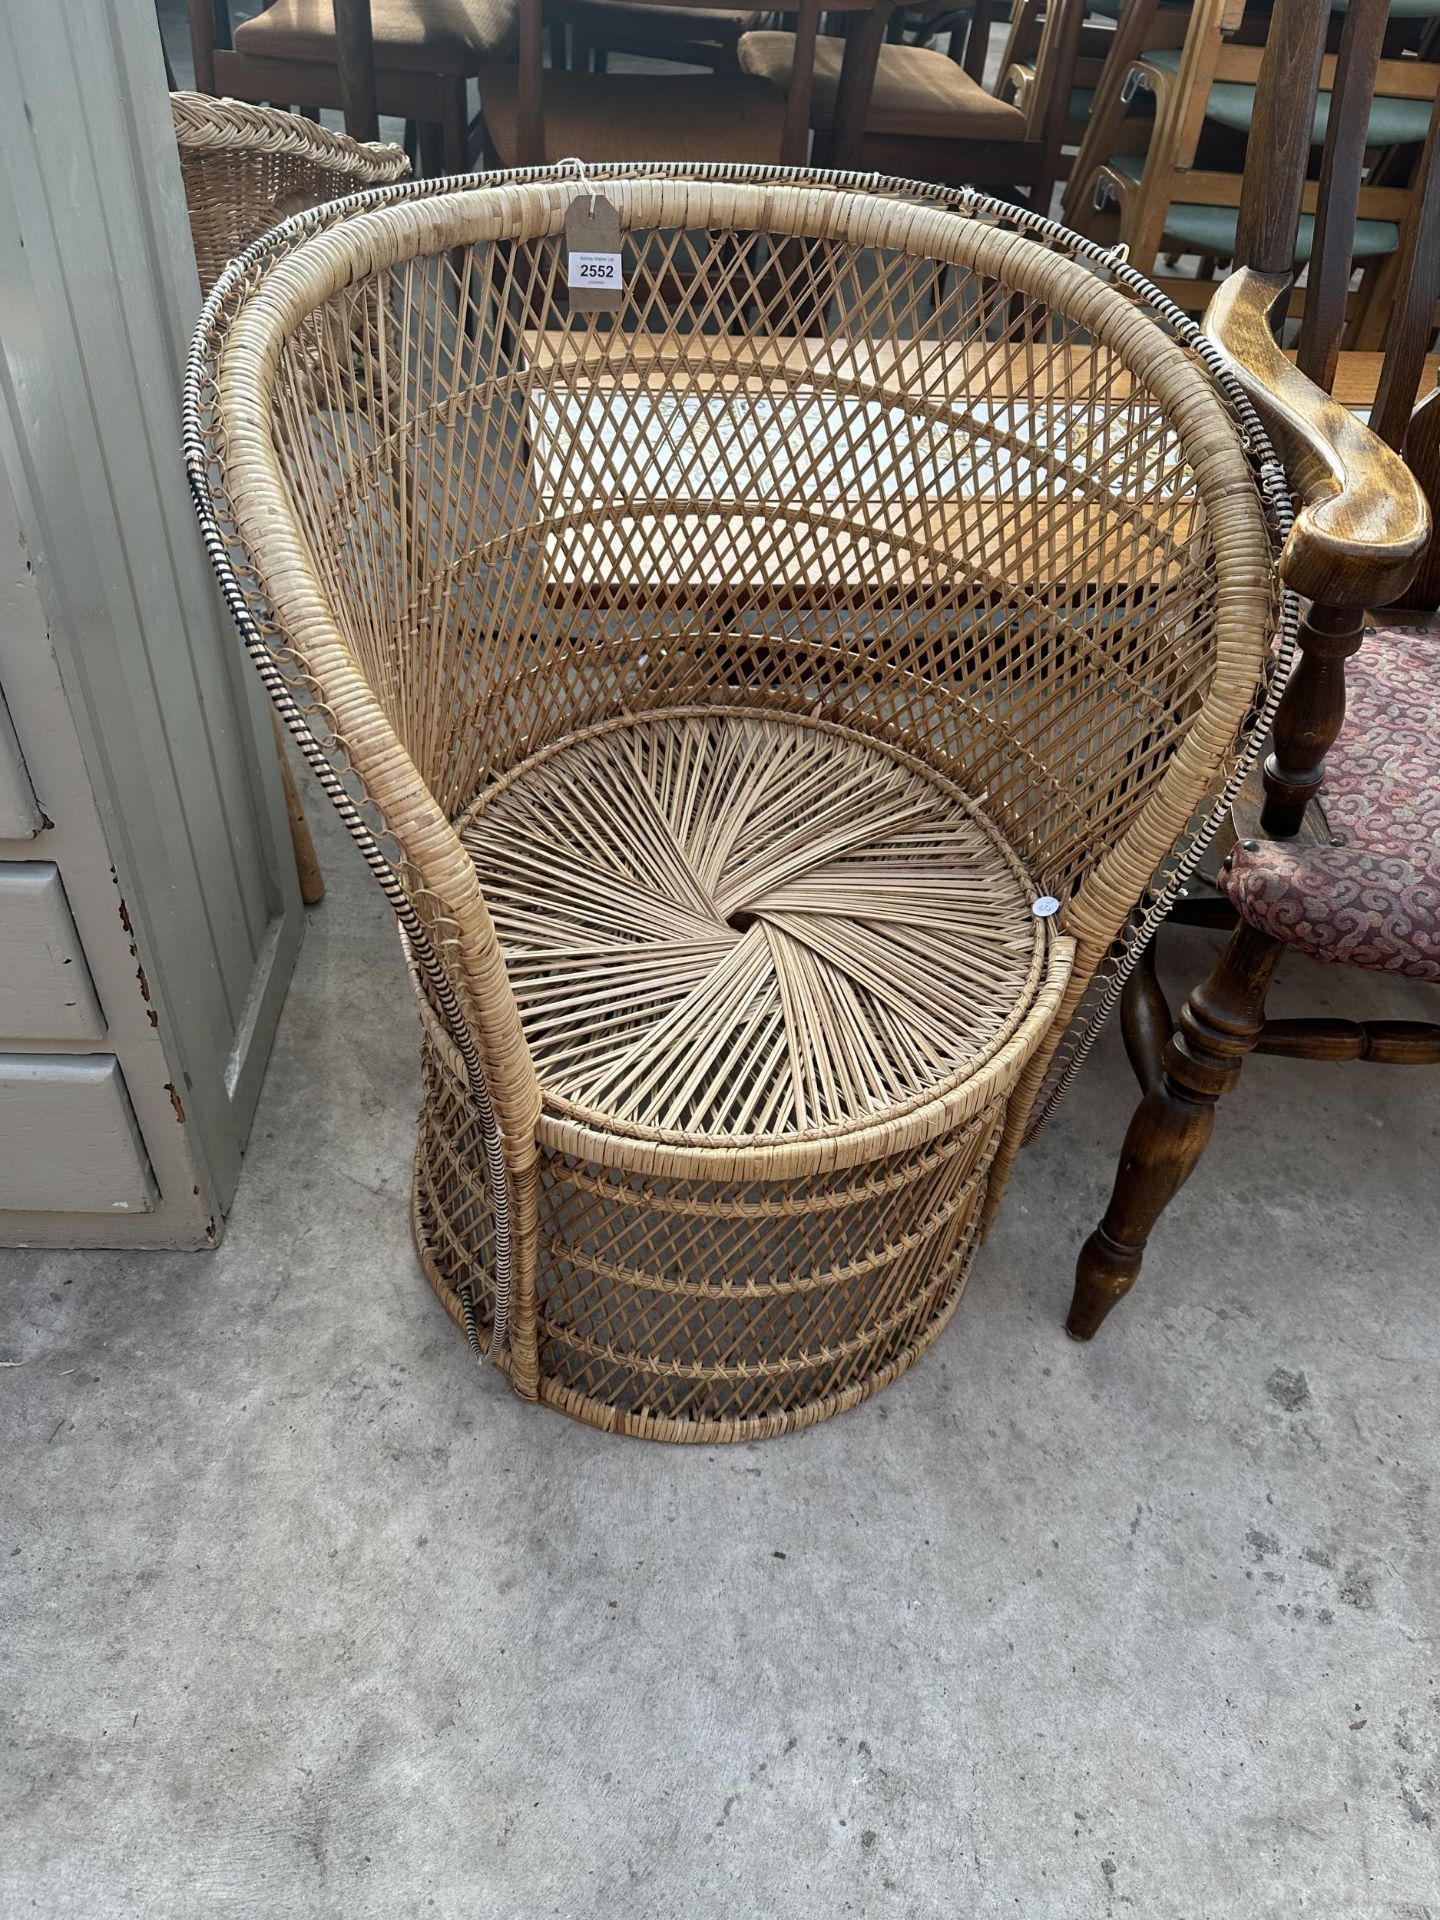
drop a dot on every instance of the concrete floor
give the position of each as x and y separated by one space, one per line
304 1615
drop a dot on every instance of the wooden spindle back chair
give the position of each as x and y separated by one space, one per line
1353 877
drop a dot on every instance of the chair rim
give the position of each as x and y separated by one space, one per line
1236 474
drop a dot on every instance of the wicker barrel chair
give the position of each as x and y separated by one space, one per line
764 705
246 169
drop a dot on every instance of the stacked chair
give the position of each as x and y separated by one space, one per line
858 98
925 115
1168 180
426 53
598 28
1052 66
245 169
534 114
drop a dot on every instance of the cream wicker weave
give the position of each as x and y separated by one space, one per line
715 687
246 168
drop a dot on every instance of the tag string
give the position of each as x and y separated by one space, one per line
587 185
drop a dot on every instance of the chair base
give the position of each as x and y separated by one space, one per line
910 1229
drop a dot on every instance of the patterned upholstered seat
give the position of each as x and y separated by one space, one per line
1373 898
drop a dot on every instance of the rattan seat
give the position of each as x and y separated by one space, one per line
801 932
765 705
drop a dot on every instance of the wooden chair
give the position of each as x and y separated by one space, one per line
1111 130
1180 190
926 117
1057 103
965 28
245 169
425 54
599 28
533 114
1350 872
731 1014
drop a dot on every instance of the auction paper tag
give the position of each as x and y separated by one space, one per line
593 270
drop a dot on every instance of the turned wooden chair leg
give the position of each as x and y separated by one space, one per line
1146 1022
1170 1129
1309 717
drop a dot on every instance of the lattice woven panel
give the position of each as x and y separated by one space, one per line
830 476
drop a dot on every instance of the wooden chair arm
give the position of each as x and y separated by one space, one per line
1017 80
1363 523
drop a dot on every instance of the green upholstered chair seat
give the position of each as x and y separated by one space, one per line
1082 99
1393 123
1211 230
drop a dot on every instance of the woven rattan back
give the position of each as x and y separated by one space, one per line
247 168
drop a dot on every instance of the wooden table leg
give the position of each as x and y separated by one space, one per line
355 57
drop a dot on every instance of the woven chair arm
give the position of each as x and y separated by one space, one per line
433 885
1363 523
439 881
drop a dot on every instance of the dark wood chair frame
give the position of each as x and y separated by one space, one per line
437 104
1361 532
1023 168
1044 58
968 26
697 43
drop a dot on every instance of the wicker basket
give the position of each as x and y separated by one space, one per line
764 705
246 168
